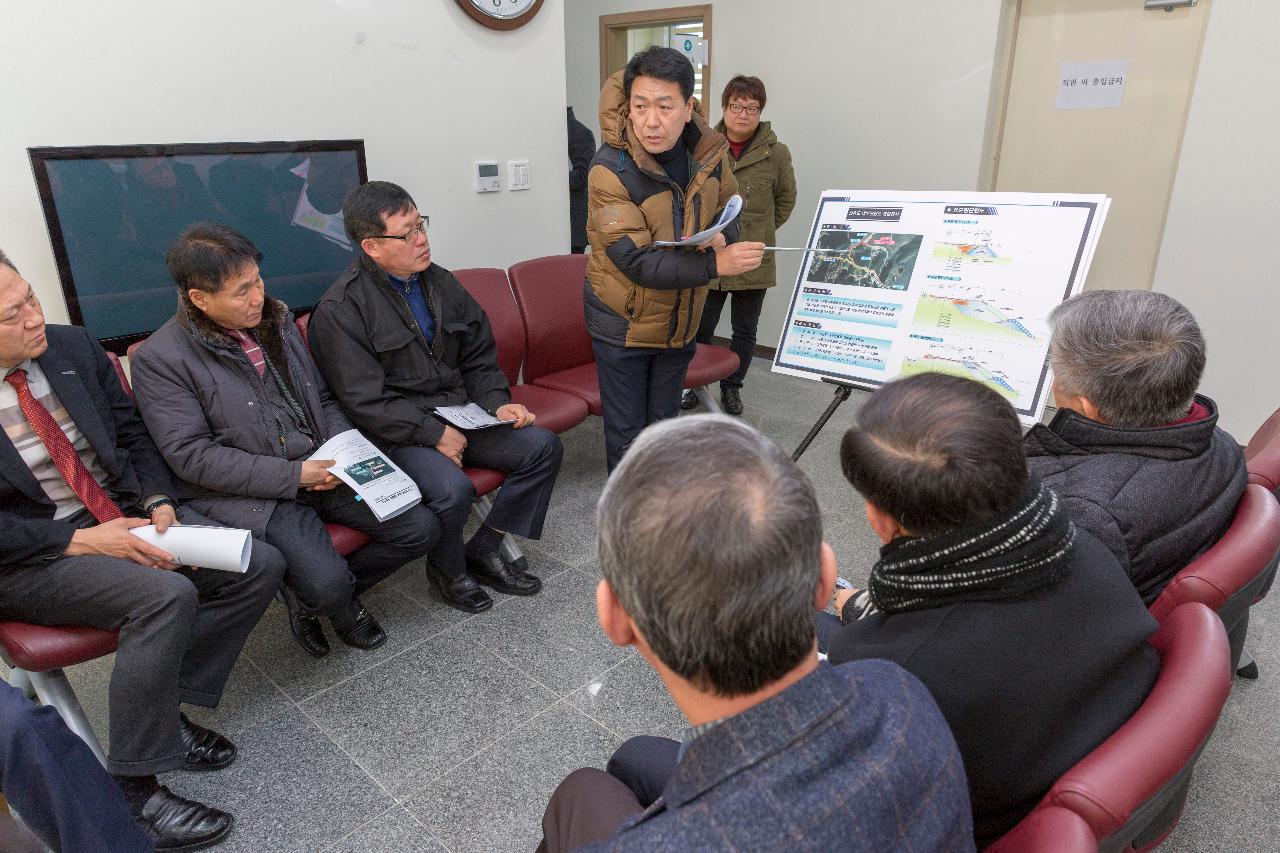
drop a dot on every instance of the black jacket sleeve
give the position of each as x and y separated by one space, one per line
582 147
478 352
663 269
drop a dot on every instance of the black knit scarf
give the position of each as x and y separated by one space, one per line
1009 556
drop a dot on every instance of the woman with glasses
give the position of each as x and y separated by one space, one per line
767 184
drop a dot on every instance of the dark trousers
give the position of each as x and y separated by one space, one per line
638 386
645 765
530 456
180 634
744 314
57 785
590 805
324 581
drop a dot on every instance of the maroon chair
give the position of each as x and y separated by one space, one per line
556 410
548 292
1235 572
1262 455
710 364
1048 830
1131 789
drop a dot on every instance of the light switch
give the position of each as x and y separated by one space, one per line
518 174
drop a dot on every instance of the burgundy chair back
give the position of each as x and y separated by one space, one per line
1262 454
549 293
1236 571
1131 789
302 323
124 379
1048 830
489 287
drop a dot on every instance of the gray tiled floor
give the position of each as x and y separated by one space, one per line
452 736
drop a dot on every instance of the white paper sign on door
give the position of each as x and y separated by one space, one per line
1095 85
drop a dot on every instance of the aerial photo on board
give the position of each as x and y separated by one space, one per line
865 259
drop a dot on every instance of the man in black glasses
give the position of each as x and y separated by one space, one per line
397 336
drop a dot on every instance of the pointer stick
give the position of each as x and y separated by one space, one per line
804 249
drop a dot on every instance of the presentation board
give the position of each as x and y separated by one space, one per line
897 283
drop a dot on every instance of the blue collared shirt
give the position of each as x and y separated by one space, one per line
411 289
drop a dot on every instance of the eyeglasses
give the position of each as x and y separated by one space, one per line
424 222
739 109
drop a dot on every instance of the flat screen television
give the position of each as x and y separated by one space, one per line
112 212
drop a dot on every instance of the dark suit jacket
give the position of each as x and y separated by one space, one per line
855 757
86 383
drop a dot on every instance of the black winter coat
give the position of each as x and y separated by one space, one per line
1156 497
381 369
582 147
1030 686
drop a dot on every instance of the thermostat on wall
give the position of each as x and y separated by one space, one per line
487 179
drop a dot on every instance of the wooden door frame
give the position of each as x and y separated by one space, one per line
613 35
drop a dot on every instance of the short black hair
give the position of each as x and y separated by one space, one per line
5 262
207 254
366 208
745 88
936 452
661 63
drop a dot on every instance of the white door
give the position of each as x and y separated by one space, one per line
1129 152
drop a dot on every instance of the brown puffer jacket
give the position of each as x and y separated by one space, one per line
637 295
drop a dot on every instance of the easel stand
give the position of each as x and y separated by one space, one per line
843 390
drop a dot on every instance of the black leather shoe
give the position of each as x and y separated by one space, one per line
688 400
490 569
461 593
731 400
176 823
365 634
306 629
206 749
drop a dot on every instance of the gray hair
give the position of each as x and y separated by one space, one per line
710 537
1135 354
5 262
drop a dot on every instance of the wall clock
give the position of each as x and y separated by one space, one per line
501 14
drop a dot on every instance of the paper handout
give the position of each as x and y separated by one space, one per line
470 416
731 210
385 488
223 548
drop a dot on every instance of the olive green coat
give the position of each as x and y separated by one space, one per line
767 184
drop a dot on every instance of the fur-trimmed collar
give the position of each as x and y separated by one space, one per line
269 331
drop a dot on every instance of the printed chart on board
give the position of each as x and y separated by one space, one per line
959 283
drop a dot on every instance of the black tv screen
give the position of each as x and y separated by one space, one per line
113 211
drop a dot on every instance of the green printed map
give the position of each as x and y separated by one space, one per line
968 368
973 317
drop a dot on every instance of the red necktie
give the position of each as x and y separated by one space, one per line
64 456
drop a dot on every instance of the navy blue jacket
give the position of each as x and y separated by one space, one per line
87 386
855 757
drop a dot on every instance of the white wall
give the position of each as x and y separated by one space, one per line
877 94
427 88
1218 255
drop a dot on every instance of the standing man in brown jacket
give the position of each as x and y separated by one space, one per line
661 174
767 183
